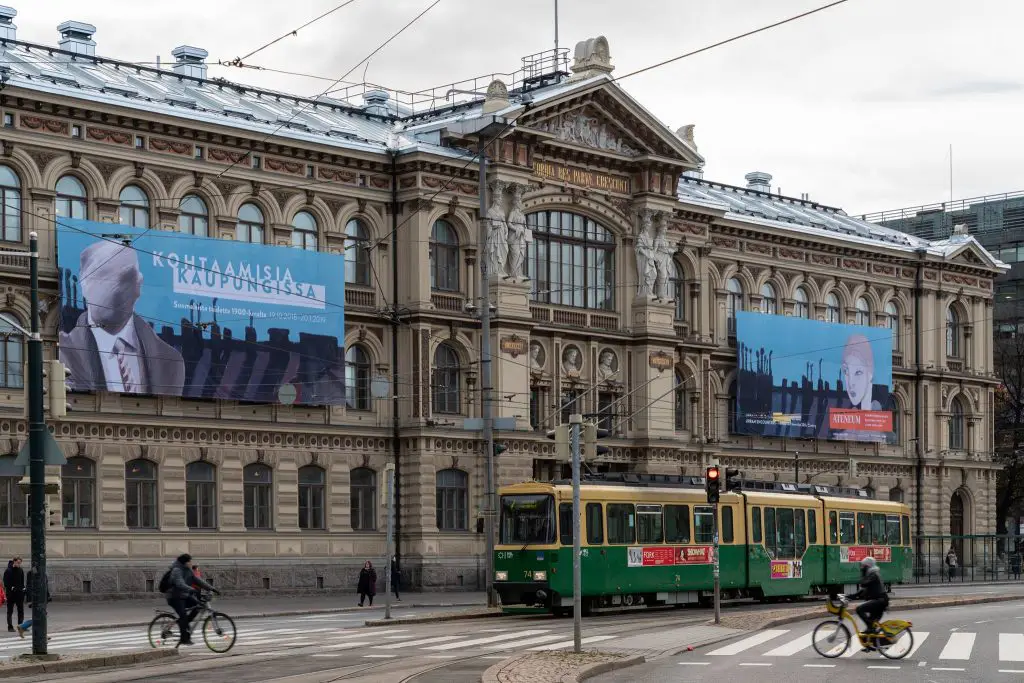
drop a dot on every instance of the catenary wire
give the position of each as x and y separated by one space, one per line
239 61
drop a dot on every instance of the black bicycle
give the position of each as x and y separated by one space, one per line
218 628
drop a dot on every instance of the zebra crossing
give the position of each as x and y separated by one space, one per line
370 643
951 651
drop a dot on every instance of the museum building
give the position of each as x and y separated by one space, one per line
616 273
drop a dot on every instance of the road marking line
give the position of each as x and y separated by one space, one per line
379 656
755 663
819 666
747 643
344 646
1011 647
694 663
919 638
959 646
986 621
484 641
327 654
524 643
1011 671
801 643
872 666
569 643
942 668
443 657
415 643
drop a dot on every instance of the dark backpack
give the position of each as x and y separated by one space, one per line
165 582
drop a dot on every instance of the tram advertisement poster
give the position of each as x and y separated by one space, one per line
695 554
810 379
787 569
856 553
661 556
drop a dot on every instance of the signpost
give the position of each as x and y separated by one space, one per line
575 422
389 483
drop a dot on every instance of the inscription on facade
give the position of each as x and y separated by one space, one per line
581 176
513 345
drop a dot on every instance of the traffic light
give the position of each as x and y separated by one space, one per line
730 475
55 381
561 436
712 483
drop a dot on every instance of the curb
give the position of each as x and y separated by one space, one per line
436 618
85 663
586 671
282 613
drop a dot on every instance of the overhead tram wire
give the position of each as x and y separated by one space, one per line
240 61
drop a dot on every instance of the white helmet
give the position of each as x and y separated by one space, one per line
868 562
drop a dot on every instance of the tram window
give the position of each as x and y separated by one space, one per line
677 524
648 524
785 537
847 528
833 527
565 523
799 534
878 529
595 528
704 524
892 529
621 524
863 528
906 530
769 531
812 527
727 535
755 521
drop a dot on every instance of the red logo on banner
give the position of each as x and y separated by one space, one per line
656 557
860 420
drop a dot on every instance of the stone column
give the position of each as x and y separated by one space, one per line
652 369
286 483
108 210
172 490
510 349
231 495
338 495
110 487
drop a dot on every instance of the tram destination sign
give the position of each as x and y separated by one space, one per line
584 177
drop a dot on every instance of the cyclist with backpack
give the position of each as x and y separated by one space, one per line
181 588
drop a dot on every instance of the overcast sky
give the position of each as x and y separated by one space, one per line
856 106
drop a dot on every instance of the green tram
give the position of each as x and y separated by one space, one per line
647 540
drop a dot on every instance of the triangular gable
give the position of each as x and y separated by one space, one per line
969 253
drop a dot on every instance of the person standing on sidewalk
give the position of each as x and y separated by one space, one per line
367 583
30 590
14 587
951 563
396 578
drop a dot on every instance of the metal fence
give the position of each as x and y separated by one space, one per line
987 557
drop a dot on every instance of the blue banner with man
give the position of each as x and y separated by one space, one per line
164 313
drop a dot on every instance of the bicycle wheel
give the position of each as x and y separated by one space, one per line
899 645
219 632
163 631
830 639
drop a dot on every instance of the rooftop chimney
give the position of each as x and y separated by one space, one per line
190 61
76 36
759 181
8 31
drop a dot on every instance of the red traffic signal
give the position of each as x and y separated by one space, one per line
712 483
712 473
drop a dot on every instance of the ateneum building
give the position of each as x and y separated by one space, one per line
616 276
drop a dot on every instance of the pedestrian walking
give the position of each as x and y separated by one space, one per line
951 563
30 591
1015 562
396 578
14 588
367 583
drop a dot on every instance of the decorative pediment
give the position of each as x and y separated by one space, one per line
585 127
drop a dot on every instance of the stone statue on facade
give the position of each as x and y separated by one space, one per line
646 270
664 257
607 367
497 231
519 233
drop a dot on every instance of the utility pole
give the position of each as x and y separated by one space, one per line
389 483
712 486
36 445
575 423
796 469
485 375
718 584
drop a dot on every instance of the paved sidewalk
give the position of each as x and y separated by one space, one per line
99 613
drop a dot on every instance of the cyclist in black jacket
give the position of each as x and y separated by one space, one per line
872 591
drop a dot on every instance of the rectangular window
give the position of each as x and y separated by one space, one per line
257 161
76 131
847 528
878 529
595 529
906 530
863 528
755 522
812 527
677 524
621 524
727 533
785 530
198 153
140 142
833 527
310 171
8 120
769 532
648 529
892 529
565 524
799 534
704 524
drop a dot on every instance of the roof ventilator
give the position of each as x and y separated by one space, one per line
190 61
376 102
76 36
759 181
8 31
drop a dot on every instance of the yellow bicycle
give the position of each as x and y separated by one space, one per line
831 638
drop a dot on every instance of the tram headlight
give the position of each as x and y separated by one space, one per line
540 576
501 576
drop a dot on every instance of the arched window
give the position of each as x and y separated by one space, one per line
250 224
258 482
363 482
571 261
446 380
863 312
956 425
10 194
452 497
769 302
13 501
140 494
892 321
312 486
134 207
444 257
952 333
679 290
11 354
72 201
832 308
304 231
78 493
357 378
194 218
680 403
897 420
201 495
733 302
357 257
802 305
896 494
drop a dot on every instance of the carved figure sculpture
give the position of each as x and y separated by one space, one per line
536 358
519 233
646 270
497 231
571 361
608 366
664 254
